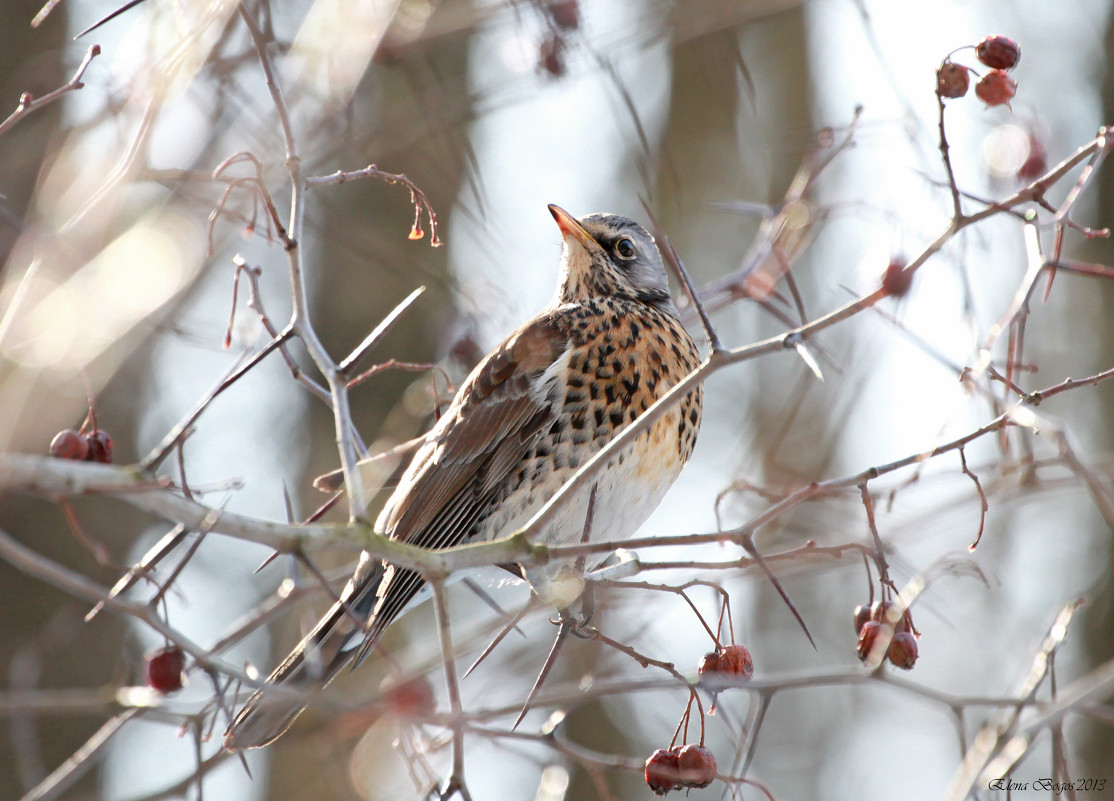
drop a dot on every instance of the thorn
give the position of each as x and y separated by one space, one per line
748 546
512 625
289 503
550 660
244 762
267 561
485 596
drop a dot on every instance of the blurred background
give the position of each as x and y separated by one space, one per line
115 276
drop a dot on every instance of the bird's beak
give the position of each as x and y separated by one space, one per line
570 228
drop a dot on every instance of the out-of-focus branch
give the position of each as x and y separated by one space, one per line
37 565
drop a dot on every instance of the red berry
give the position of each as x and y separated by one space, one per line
710 663
412 698
696 766
68 444
870 632
736 661
996 88
100 447
952 80
903 650
998 52
1036 163
164 669
862 616
882 611
662 771
551 56
722 668
897 280
565 14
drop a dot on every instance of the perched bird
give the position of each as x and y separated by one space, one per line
529 415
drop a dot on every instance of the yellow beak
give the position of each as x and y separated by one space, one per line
570 227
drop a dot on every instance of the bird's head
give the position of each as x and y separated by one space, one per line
606 255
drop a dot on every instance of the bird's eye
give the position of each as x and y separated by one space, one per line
625 248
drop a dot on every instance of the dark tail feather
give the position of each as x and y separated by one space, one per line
315 662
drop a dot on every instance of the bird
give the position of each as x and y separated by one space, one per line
534 410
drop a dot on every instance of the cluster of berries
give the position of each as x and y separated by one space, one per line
563 16
872 622
94 446
680 767
996 88
693 765
726 665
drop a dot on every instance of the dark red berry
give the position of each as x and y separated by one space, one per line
164 669
862 615
551 56
870 632
565 14
662 771
100 447
998 52
996 88
696 766
68 444
882 611
903 650
952 80
897 280
1036 163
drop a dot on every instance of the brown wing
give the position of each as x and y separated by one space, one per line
453 478
484 434
457 475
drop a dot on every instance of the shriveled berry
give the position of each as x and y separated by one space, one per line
998 52
897 280
870 632
68 444
952 80
736 661
164 669
100 447
996 88
696 766
903 650
862 615
662 771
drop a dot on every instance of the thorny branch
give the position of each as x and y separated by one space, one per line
141 489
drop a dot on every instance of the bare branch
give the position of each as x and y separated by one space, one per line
29 104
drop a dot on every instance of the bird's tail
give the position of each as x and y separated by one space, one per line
341 635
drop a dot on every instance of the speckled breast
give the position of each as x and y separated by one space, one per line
624 356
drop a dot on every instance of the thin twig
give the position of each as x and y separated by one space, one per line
28 103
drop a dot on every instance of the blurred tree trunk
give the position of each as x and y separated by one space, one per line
41 622
1094 749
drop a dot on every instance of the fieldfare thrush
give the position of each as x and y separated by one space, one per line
529 415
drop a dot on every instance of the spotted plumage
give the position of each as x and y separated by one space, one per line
530 414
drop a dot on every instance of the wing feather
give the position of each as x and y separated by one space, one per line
489 427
